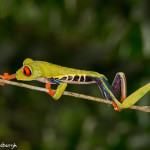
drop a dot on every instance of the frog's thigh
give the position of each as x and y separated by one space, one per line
60 90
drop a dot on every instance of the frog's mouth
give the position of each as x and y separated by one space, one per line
22 77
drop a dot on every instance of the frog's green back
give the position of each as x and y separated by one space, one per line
51 70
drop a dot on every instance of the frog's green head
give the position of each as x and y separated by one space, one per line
30 70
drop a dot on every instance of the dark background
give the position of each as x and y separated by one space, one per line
100 35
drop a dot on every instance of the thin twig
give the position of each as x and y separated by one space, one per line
142 108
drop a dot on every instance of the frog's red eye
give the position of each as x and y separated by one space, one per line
26 71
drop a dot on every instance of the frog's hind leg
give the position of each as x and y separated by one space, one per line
120 83
107 90
112 92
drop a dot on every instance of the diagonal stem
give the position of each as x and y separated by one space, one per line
141 108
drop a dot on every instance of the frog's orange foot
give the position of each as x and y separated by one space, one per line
6 76
2 83
116 107
51 92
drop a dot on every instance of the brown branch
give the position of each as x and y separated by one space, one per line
142 108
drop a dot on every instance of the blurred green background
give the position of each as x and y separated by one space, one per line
100 35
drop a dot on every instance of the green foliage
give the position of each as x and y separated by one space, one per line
104 36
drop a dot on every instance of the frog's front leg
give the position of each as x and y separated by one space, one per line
6 76
59 91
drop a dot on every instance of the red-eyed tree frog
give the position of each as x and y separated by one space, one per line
53 74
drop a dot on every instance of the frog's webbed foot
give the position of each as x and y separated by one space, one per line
6 76
51 92
115 106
